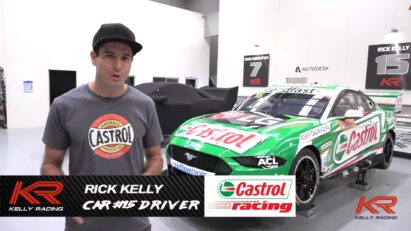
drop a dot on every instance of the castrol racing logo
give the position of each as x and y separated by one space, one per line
110 136
238 195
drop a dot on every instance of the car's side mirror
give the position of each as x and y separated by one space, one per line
353 114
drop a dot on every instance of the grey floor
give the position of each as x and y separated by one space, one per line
21 153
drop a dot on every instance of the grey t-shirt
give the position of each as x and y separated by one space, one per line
105 136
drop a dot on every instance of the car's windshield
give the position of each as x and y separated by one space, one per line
277 103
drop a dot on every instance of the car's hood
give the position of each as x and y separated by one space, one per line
239 133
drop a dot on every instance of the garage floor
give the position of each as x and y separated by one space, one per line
21 152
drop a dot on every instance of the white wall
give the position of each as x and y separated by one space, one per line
303 33
2 43
211 24
48 34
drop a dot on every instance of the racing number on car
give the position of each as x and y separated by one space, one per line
388 66
256 70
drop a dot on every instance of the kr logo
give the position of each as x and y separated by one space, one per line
37 189
226 188
393 81
383 202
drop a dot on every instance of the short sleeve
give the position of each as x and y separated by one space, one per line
55 133
153 135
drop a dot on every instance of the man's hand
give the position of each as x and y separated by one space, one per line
154 164
53 159
78 220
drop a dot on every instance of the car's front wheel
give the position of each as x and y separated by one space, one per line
306 169
387 153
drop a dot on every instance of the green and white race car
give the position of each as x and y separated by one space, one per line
313 132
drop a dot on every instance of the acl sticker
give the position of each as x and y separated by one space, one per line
111 136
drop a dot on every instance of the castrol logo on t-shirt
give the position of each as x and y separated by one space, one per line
110 136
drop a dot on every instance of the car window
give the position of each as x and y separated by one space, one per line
352 100
275 104
347 101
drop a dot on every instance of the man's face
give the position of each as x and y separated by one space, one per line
112 64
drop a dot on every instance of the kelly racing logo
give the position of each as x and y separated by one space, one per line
37 195
381 208
111 136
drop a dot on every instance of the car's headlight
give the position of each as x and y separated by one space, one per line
268 161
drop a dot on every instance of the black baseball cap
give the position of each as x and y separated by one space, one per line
115 32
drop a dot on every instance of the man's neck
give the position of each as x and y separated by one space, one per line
107 92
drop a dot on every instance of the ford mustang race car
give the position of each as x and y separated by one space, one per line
313 132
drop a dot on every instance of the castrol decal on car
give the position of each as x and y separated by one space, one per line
230 138
110 136
353 141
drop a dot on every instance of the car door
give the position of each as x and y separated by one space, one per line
352 138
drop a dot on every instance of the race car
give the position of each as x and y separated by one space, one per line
313 132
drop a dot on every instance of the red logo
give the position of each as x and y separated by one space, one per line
48 194
255 81
392 81
362 138
383 202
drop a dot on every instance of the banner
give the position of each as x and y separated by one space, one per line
101 196
122 196
388 66
256 70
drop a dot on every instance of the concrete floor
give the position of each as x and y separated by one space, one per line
21 152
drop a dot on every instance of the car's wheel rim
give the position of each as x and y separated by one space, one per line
306 180
388 151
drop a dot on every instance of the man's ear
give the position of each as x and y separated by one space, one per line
93 57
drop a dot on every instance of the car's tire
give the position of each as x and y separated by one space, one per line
387 152
306 169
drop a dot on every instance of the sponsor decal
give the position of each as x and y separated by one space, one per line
230 138
227 115
248 120
267 162
381 208
353 141
299 69
301 90
193 145
190 170
110 136
271 196
315 132
326 145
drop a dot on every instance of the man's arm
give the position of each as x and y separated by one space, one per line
53 159
154 164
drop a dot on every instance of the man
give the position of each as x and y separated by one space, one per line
108 126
